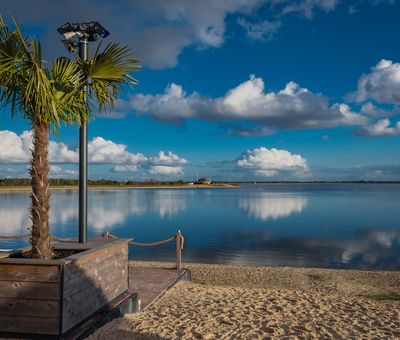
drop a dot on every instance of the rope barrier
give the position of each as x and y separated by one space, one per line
178 237
15 236
103 235
153 243
180 240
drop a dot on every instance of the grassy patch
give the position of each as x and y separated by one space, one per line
383 297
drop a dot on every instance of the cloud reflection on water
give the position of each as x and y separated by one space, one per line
265 206
106 208
370 249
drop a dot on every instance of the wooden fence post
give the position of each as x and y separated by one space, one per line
178 250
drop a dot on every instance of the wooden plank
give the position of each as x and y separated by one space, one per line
92 281
26 324
93 294
24 307
99 283
30 290
95 253
96 259
118 270
22 261
81 306
75 268
71 271
29 273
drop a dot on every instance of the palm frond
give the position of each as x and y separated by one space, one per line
108 72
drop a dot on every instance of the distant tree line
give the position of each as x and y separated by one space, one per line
5 182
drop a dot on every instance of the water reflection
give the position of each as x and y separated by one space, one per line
271 225
262 247
373 245
106 208
266 206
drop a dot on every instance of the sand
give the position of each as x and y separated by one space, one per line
242 302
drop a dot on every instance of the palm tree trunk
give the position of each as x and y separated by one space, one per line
40 239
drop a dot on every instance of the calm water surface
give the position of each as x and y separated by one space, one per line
312 225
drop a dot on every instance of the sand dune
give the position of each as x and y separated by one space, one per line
235 302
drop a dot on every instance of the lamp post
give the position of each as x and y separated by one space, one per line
78 36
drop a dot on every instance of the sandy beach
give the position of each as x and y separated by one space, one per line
244 302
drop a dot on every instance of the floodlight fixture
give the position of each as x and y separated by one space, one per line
76 32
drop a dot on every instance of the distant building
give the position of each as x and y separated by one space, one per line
204 181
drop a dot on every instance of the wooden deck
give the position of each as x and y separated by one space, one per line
152 283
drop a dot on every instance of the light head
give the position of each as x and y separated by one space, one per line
74 33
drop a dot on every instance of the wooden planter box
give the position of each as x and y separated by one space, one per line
51 297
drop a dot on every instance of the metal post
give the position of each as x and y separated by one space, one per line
83 158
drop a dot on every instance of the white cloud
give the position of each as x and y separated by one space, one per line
167 159
15 149
265 162
125 168
373 111
59 171
61 153
105 151
381 128
381 84
55 169
165 170
291 108
307 7
264 30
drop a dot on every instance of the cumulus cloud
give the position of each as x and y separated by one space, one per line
381 84
165 170
293 107
381 128
167 159
264 30
61 153
59 171
265 162
105 151
376 112
15 149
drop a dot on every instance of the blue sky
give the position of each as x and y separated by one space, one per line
233 90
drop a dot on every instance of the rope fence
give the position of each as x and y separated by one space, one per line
180 240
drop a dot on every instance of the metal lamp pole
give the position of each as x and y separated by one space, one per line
83 155
78 35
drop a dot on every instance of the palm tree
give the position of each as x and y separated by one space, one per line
47 96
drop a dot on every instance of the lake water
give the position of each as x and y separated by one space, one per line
312 225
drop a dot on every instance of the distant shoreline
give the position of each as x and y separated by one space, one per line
216 185
75 187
